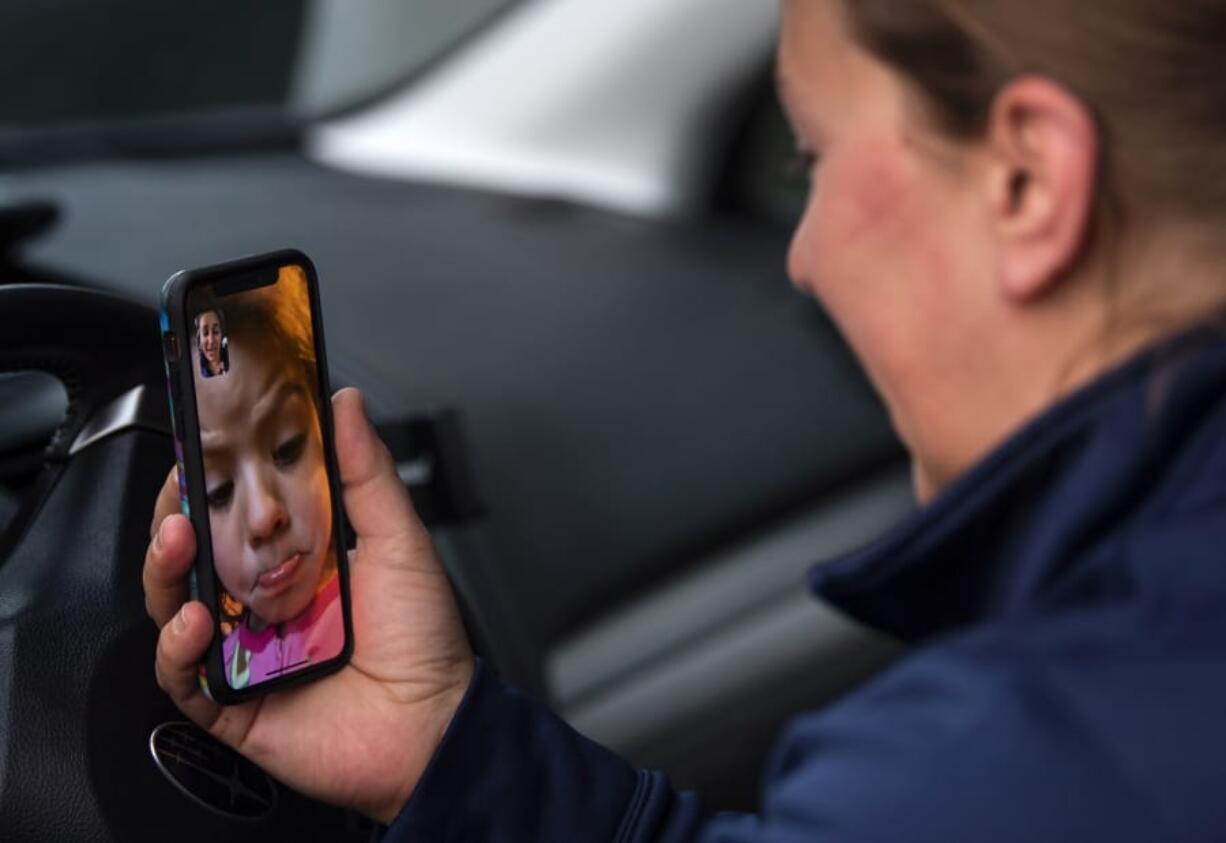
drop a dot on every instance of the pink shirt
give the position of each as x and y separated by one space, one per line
314 636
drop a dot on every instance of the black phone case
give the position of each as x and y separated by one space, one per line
176 339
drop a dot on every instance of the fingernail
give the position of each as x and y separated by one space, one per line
180 620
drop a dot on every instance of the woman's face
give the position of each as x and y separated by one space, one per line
889 241
210 337
268 496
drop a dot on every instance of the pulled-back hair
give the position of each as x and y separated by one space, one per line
1150 71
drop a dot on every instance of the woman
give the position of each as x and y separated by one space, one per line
211 341
1012 219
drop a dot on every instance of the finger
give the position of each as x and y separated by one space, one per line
181 647
376 501
167 501
167 562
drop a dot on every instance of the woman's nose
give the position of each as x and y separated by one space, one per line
266 513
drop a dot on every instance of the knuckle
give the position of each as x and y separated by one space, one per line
151 560
165 658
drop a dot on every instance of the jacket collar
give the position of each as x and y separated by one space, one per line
1030 528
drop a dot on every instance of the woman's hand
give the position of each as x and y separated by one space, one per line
361 737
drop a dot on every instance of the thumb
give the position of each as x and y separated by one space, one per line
376 502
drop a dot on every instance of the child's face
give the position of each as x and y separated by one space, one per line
269 503
210 337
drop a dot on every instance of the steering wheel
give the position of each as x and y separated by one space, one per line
78 699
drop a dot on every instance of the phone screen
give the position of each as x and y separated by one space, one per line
266 478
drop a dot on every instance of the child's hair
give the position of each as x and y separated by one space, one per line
277 318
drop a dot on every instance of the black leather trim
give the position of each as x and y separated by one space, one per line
97 344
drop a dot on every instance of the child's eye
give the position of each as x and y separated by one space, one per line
219 496
288 452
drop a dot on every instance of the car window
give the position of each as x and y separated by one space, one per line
83 61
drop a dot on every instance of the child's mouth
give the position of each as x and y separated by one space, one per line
276 578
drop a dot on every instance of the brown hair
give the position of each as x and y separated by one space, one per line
1150 71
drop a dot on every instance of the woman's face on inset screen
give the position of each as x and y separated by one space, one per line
210 337
268 497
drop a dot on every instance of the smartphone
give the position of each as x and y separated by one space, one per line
249 397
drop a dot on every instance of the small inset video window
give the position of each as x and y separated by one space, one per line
212 344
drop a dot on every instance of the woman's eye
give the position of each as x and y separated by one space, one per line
288 452
801 164
219 496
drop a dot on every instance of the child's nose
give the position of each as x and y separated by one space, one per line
266 514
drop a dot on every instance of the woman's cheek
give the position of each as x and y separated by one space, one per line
863 243
842 261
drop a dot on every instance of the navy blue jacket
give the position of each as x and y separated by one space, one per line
1066 603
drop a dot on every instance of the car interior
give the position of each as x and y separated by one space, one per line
629 435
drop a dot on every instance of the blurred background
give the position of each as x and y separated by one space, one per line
553 98
551 240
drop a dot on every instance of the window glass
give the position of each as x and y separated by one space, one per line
85 61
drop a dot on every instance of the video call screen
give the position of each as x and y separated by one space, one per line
258 401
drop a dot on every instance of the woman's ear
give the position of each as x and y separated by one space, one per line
1043 148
